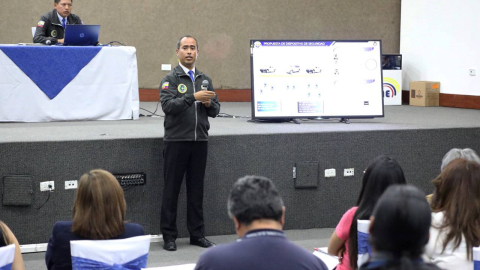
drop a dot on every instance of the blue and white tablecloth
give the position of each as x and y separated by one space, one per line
54 83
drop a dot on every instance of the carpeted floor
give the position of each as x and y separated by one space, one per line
186 253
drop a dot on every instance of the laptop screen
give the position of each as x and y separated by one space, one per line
81 34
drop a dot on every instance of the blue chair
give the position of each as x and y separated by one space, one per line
364 248
476 258
130 253
6 257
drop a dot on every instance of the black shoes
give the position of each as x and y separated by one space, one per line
169 245
202 242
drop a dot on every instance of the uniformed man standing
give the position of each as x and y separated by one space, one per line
188 99
51 27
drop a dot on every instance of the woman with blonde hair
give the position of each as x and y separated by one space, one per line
455 205
98 214
7 238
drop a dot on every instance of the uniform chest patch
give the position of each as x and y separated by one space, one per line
54 33
182 88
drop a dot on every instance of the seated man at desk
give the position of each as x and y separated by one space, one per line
51 27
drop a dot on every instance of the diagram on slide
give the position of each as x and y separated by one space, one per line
316 78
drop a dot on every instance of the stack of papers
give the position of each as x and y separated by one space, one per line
329 260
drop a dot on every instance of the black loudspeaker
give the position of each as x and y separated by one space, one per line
17 190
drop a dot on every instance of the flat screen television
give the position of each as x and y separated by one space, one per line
316 78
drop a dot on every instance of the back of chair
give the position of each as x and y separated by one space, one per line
364 248
476 258
129 253
6 257
34 29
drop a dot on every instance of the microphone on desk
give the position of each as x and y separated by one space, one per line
204 85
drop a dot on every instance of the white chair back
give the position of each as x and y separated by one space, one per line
189 266
364 248
129 253
476 258
6 257
33 31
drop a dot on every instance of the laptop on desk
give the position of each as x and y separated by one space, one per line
81 35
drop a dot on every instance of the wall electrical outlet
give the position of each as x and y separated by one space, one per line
349 172
47 186
330 173
472 72
166 67
71 184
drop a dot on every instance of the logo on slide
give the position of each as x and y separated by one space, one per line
390 87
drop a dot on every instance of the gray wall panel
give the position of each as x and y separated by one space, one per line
223 28
418 151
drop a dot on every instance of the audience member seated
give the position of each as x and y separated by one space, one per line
453 154
399 230
258 212
7 238
455 205
98 214
381 173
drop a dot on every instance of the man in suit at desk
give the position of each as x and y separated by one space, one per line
51 27
257 210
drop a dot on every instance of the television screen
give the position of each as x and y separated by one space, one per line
316 78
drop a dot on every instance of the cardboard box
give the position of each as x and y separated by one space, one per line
425 94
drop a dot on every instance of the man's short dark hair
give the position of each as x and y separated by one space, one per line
187 36
58 1
254 197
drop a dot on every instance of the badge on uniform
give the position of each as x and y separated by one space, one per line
182 88
54 33
165 85
41 24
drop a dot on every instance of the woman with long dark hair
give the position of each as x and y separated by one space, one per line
455 205
399 229
381 173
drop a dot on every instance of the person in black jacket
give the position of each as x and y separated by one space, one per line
399 230
188 99
51 27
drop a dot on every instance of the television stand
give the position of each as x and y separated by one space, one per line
275 120
344 120
295 121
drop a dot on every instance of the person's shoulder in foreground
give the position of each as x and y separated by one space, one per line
374 266
131 230
258 213
273 253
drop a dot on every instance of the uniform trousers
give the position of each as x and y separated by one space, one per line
183 159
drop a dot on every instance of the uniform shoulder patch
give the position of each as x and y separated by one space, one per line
165 85
41 24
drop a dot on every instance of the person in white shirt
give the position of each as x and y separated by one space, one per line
455 228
